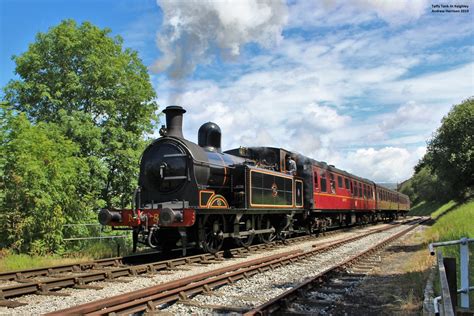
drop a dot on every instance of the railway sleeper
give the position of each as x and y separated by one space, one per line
11 304
87 287
215 307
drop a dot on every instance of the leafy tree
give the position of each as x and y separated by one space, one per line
40 176
97 93
450 153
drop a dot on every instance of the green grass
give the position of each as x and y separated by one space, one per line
454 221
457 223
89 251
10 262
435 209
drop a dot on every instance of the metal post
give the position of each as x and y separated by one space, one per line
450 266
464 273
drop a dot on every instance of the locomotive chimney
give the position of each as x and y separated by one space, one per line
174 120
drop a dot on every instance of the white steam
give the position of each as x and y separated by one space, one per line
196 32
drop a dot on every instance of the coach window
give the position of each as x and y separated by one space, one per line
323 182
360 189
316 187
346 182
339 182
352 188
333 183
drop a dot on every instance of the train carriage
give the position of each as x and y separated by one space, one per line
194 195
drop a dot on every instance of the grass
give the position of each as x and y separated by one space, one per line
453 221
435 209
459 222
11 262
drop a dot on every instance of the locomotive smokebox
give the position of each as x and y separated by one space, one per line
209 137
174 120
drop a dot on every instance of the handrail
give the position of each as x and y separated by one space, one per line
445 295
464 269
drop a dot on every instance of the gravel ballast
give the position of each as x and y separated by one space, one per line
252 292
260 288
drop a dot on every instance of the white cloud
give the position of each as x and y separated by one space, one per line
195 31
352 97
333 13
389 164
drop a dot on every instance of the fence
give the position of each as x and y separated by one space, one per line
448 278
95 229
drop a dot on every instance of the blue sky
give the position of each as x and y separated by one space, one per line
360 84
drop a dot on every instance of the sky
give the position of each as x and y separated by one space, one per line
360 84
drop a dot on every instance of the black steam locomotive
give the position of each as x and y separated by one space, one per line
195 195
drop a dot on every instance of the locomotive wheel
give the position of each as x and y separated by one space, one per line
246 240
212 236
265 223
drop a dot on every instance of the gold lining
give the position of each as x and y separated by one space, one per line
200 200
217 197
278 174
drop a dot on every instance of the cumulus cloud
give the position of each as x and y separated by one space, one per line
196 31
404 115
364 100
389 164
339 12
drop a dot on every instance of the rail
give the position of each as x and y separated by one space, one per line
447 275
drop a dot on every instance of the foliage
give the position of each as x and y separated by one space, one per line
450 153
98 93
40 177
72 128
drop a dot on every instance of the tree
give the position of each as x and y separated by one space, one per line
40 176
450 153
97 93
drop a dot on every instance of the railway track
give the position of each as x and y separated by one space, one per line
29 274
154 298
48 280
318 292
81 274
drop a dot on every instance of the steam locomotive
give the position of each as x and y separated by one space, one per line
196 196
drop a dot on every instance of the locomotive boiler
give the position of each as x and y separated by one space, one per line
196 196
